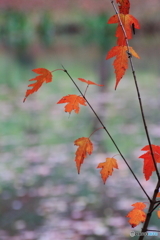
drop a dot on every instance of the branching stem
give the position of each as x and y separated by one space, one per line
155 207
116 146
153 201
152 207
137 89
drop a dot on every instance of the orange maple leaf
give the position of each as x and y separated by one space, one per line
127 21
148 166
89 82
107 168
73 103
158 213
44 77
124 6
136 215
85 147
121 62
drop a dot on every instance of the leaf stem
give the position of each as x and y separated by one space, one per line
95 131
86 89
58 70
108 134
115 155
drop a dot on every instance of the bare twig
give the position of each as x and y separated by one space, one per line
150 230
155 207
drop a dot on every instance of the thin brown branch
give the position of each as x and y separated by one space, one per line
137 89
150 210
155 206
150 230
153 201
113 141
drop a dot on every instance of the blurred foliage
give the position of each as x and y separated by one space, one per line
16 30
46 29
98 32
19 32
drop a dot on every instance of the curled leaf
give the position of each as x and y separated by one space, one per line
121 62
148 167
89 82
85 147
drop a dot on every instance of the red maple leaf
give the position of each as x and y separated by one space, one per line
44 77
127 21
73 102
124 6
121 62
148 167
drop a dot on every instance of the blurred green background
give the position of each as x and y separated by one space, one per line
41 195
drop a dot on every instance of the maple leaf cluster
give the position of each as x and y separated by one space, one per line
73 101
45 76
126 23
85 146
